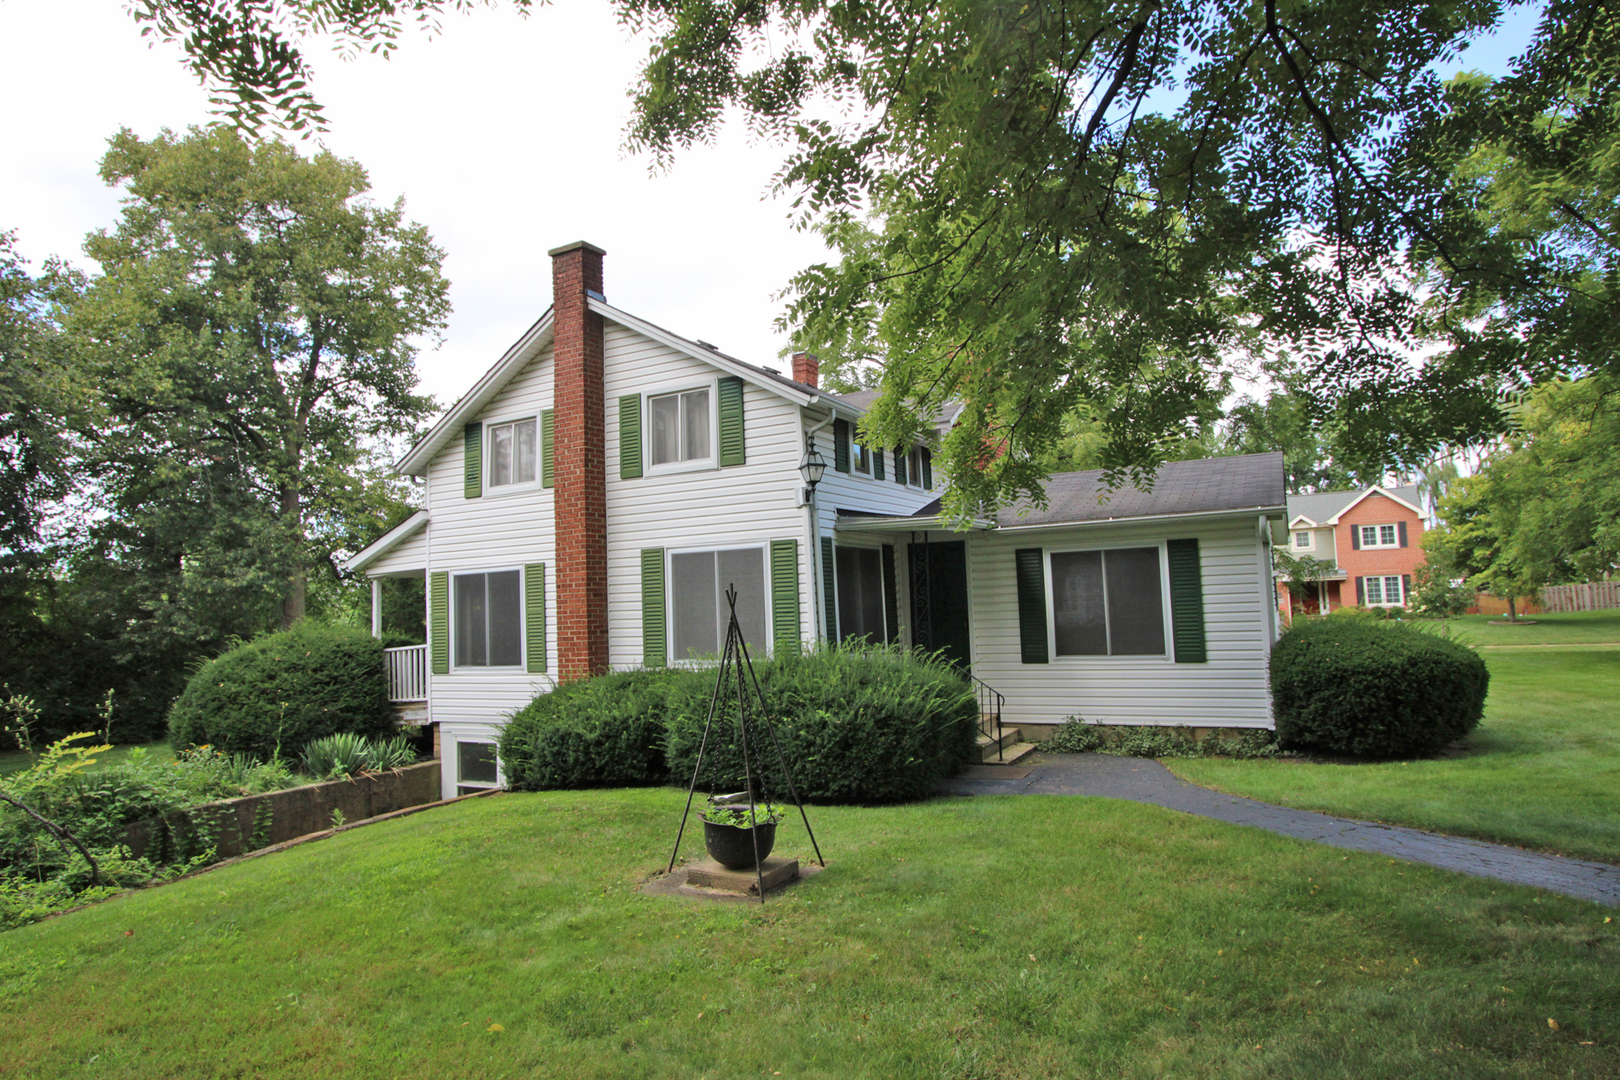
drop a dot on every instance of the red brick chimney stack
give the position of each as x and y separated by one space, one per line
806 369
580 463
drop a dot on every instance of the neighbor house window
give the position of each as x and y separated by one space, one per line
680 427
512 453
1377 536
860 593
1302 540
489 619
698 614
476 768
1383 591
1108 603
860 459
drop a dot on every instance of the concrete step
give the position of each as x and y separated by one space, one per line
989 745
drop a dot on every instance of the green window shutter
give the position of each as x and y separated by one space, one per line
439 622
1187 602
472 460
653 651
733 446
841 445
548 463
1030 564
534 615
785 596
891 609
928 468
900 465
629 436
829 588
877 463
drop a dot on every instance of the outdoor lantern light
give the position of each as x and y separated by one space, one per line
813 465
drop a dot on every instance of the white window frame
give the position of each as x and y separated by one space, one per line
1169 653
492 488
764 549
1310 540
889 632
860 459
712 461
480 785
523 636
1383 590
1395 531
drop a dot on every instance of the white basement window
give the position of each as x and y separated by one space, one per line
680 428
1108 603
489 619
1379 536
698 614
477 768
512 453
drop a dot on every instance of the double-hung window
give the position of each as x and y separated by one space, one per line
1108 603
489 619
914 470
698 614
1379 536
513 452
860 459
681 428
1302 541
860 593
1383 591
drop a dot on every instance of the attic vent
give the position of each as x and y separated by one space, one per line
706 345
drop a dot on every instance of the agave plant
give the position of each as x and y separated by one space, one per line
392 753
343 754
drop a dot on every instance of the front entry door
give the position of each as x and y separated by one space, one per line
939 600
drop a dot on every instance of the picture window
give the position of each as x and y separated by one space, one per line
489 619
697 602
1108 603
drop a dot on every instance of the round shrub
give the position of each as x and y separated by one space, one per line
1373 689
855 726
601 732
284 691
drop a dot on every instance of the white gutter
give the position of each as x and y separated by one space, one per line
1267 511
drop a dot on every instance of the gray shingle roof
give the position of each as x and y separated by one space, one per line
1323 506
1209 485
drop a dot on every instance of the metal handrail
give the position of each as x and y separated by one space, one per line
988 696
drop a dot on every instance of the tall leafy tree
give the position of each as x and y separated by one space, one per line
253 332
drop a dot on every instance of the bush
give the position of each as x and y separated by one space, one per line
855 725
283 691
1077 736
602 732
1374 689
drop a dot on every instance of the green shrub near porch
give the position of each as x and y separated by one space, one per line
602 732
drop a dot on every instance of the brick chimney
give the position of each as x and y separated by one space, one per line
580 463
806 369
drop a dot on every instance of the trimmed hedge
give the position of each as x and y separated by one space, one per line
1374 689
284 691
602 732
855 725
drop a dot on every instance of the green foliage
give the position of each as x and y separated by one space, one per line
1303 574
1076 736
601 732
348 753
855 725
281 692
1435 596
1373 689
737 815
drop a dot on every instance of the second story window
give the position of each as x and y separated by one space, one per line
512 453
914 470
860 459
1379 536
680 428
1302 541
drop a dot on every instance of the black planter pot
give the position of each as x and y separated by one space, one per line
733 847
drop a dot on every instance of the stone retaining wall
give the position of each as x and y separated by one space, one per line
236 826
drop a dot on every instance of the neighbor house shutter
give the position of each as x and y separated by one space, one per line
877 464
534 617
1187 602
1406 588
629 436
1355 538
829 589
927 469
891 609
1400 528
548 460
841 445
1030 564
439 622
472 460
785 596
900 465
653 650
733 446
1361 591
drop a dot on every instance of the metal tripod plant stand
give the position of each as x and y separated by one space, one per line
734 659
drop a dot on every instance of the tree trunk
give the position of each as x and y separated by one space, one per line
292 603
1513 610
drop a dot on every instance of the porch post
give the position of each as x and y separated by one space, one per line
376 607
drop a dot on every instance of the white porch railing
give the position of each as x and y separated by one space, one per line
406 669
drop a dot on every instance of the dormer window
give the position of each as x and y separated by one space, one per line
681 428
513 452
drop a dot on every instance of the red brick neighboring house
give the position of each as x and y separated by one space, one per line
1372 536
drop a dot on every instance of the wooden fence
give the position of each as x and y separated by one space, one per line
1589 596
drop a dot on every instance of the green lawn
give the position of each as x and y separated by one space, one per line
12 761
998 937
1573 628
1541 771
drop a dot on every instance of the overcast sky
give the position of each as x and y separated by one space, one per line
504 136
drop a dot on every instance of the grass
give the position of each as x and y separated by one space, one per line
1539 772
15 761
1569 628
1004 937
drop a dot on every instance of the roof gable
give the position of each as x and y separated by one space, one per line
1334 520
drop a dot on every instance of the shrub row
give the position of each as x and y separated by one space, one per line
853 725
